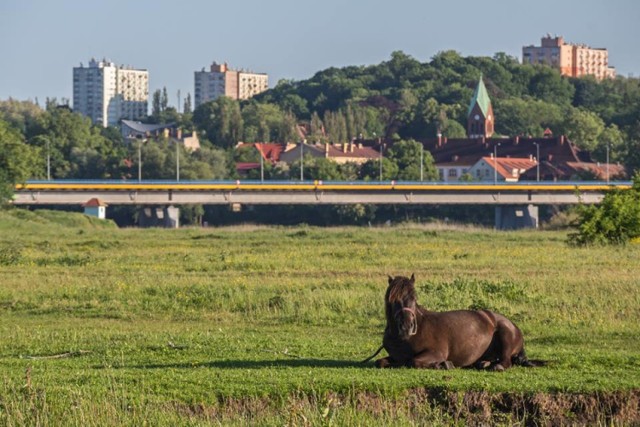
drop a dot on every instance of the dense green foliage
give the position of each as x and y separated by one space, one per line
17 160
615 220
415 100
245 325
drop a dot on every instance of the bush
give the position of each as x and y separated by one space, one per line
616 220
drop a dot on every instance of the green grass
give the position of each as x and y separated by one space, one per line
198 326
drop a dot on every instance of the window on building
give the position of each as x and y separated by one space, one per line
453 173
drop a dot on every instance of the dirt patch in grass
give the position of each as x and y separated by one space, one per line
429 405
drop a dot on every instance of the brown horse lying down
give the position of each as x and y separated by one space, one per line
416 337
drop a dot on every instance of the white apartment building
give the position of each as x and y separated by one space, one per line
107 93
220 80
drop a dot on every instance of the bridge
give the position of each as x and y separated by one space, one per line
509 198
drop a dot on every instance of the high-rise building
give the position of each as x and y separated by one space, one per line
220 80
573 60
107 93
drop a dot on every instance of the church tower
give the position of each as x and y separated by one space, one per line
480 115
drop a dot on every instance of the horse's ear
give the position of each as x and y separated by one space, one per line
390 279
413 279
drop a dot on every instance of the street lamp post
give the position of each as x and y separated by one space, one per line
537 144
140 142
178 158
301 161
261 168
380 175
139 160
48 160
495 164
608 163
421 162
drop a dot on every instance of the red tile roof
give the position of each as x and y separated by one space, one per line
352 151
94 203
599 170
468 151
506 165
245 166
269 151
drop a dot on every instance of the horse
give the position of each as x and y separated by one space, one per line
416 337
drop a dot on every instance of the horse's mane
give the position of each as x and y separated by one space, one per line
401 289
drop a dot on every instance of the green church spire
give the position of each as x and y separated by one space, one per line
481 97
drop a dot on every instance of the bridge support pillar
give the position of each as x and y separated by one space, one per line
159 216
512 217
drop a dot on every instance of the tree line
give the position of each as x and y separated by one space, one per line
401 99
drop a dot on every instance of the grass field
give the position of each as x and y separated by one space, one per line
256 325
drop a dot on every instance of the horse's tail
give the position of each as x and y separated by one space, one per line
373 355
521 359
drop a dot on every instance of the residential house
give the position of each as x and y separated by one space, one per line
506 169
132 130
339 153
270 153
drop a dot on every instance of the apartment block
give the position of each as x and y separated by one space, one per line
108 93
573 60
220 80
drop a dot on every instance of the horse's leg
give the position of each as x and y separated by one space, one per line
388 362
432 360
511 342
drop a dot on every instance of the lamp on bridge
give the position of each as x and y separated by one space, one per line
495 163
537 144
140 142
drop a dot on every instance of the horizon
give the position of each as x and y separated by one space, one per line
300 39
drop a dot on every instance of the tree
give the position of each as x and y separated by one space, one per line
583 128
526 117
21 115
267 122
187 104
156 103
548 85
18 161
632 149
164 99
220 121
612 139
71 137
371 170
316 168
407 155
616 220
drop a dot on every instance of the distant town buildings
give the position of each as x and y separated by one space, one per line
107 93
508 169
573 60
350 152
136 131
220 80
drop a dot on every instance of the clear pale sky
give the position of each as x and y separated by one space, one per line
42 40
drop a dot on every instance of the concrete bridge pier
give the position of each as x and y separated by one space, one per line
512 217
159 216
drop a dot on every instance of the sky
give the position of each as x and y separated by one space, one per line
42 40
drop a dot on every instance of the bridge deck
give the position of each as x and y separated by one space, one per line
312 192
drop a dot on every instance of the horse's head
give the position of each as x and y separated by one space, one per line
400 305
